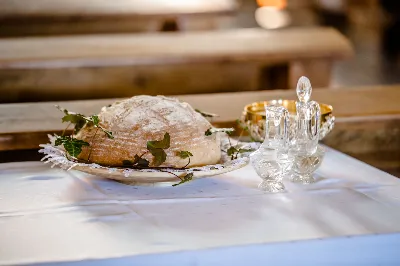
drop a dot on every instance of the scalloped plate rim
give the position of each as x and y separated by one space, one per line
156 176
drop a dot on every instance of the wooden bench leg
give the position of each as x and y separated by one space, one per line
170 25
317 70
274 77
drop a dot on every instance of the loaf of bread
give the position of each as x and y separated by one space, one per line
139 119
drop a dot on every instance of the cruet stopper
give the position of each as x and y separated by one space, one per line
308 116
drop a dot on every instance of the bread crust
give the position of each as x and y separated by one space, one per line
139 119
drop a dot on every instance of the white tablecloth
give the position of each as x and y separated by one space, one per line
351 214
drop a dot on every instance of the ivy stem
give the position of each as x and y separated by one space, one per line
143 154
229 139
71 158
65 129
187 163
237 144
238 140
91 144
171 174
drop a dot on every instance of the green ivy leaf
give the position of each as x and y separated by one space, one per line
72 145
231 151
205 114
59 140
245 150
80 120
72 149
156 148
95 120
73 118
108 133
65 111
210 131
159 156
137 161
184 154
127 163
77 119
161 144
184 179
141 162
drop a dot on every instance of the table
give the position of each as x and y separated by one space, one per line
351 214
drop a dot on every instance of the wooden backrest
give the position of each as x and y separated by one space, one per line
240 45
44 118
123 65
95 8
58 17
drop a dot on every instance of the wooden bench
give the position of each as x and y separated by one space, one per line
55 17
105 66
367 125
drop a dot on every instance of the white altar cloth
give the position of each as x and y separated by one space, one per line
350 215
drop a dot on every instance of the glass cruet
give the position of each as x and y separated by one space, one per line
272 160
307 153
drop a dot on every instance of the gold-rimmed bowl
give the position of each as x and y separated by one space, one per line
254 117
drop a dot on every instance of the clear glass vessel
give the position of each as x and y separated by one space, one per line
272 160
308 116
304 165
307 154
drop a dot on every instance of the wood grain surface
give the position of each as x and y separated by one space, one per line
347 102
79 8
20 18
121 65
154 49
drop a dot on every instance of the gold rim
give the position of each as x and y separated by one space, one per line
256 111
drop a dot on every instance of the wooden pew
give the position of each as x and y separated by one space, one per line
106 66
58 17
367 125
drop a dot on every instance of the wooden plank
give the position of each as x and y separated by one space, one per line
77 66
55 17
347 102
109 82
173 48
89 8
121 24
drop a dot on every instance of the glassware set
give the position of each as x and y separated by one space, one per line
290 148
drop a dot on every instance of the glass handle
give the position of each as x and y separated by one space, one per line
276 127
314 112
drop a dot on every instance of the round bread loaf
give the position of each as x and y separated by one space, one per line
139 119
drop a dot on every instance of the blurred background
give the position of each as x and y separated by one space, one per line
372 26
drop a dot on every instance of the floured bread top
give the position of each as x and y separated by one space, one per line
139 119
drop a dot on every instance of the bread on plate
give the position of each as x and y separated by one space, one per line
135 121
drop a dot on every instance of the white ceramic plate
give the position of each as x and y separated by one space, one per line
56 156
